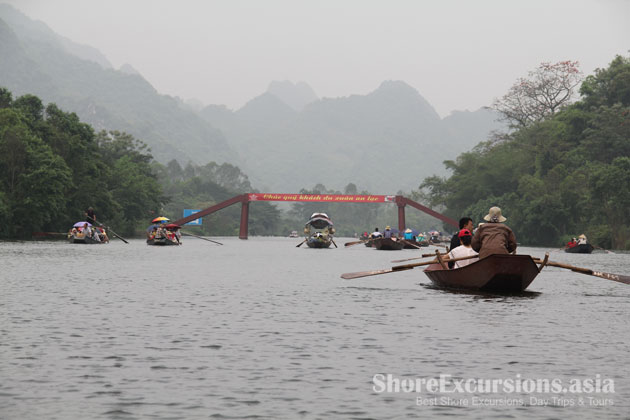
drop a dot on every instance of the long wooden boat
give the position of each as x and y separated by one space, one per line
80 238
162 241
580 249
496 273
324 231
387 244
369 243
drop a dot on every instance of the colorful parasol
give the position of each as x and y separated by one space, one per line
160 219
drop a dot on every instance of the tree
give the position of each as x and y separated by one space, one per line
544 92
609 186
608 86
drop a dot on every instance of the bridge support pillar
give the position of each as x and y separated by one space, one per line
401 217
242 234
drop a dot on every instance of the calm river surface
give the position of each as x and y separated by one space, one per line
264 330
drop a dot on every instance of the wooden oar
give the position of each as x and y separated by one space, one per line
333 242
40 234
355 242
301 243
607 251
108 229
410 243
395 268
200 237
608 276
416 258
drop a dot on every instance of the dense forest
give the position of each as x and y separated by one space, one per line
560 172
53 167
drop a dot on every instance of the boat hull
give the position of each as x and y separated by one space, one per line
161 242
317 243
79 239
580 249
387 244
496 273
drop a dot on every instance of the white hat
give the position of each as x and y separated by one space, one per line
494 215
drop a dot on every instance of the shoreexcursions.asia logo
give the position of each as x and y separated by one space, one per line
446 384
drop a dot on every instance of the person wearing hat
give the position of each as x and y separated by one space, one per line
494 237
387 233
582 240
464 250
409 235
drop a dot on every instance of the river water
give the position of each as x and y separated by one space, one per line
262 329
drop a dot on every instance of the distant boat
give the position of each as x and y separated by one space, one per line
163 234
323 236
387 244
77 235
580 249
293 234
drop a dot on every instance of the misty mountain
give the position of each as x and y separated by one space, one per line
79 79
385 141
285 139
297 95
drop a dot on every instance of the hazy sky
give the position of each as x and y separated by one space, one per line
459 54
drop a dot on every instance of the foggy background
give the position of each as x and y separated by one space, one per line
458 54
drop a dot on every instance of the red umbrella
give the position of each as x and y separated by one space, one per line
172 226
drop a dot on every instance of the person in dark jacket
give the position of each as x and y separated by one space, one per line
494 237
464 223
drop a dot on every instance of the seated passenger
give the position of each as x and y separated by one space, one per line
494 237
464 250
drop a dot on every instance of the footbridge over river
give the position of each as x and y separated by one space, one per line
245 199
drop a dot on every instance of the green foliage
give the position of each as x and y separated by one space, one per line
199 187
565 175
53 167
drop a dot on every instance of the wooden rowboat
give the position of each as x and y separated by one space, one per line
497 273
580 249
387 244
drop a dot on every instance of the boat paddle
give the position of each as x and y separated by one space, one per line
411 243
608 276
333 242
200 237
607 251
108 228
349 276
355 242
301 243
416 258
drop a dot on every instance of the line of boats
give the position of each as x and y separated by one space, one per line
494 273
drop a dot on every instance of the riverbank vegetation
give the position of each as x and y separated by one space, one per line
555 176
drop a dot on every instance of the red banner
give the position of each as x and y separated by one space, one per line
328 198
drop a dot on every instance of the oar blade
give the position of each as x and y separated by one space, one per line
359 274
614 277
